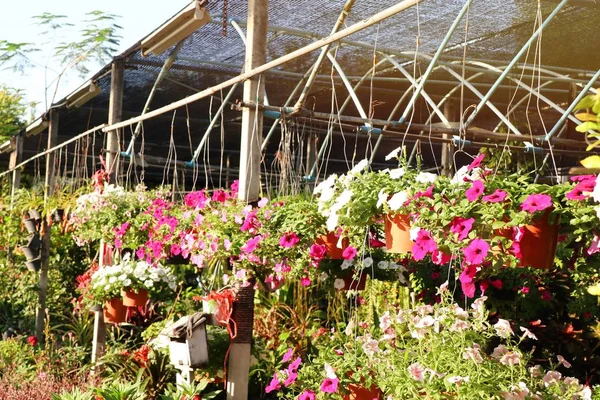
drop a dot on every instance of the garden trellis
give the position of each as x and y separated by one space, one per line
452 75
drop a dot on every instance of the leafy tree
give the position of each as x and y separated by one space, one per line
12 110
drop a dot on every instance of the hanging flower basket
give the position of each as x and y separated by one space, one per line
538 243
30 225
360 393
34 265
330 242
135 299
114 311
397 233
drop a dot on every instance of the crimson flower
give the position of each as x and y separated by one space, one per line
461 226
32 340
349 253
497 197
317 251
219 195
466 278
546 296
329 385
476 251
475 190
476 162
440 258
289 240
536 202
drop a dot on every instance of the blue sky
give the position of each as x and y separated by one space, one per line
138 18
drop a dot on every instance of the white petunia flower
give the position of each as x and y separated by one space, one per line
359 167
367 262
426 177
339 284
397 173
398 200
381 198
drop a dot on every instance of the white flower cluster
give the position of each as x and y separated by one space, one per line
133 273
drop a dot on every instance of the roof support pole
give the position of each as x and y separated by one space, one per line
323 147
434 60
324 51
161 76
40 317
374 19
571 107
514 61
249 190
115 113
348 85
16 157
211 125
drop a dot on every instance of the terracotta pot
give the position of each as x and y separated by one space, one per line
397 233
114 311
538 244
355 284
133 299
360 393
330 242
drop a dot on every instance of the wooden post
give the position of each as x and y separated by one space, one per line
249 191
15 158
448 148
115 114
99 339
45 229
311 157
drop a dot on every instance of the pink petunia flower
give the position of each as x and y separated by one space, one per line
349 253
582 190
288 355
536 202
424 244
305 281
440 258
497 197
475 190
329 385
289 240
274 385
294 365
476 252
417 372
291 378
461 226
307 395
317 251
251 245
546 296
476 162
219 195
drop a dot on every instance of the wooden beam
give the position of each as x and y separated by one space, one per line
16 157
115 114
45 229
249 190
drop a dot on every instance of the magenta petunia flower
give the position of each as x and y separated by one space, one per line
468 289
294 365
288 355
274 385
524 290
546 296
461 226
307 395
288 240
475 190
497 197
175 249
476 251
251 245
349 253
305 281
291 378
440 258
329 385
580 178
424 244
476 162
219 195
536 202
317 251
582 190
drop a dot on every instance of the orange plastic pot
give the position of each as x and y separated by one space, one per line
133 299
360 393
330 242
397 233
114 311
538 244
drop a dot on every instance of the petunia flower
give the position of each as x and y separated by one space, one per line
329 385
417 372
461 226
476 251
294 365
307 395
317 251
497 197
476 162
475 190
349 253
289 240
288 355
274 384
582 190
291 378
536 202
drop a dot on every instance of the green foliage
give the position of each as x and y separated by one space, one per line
120 391
183 391
75 394
12 111
590 118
